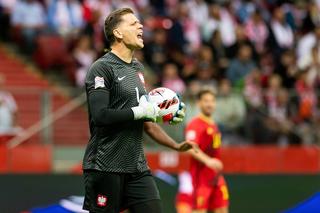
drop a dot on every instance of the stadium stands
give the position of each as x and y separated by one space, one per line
235 41
27 87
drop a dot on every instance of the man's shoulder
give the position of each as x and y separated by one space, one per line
103 63
194 122
106 59
100 68
137 64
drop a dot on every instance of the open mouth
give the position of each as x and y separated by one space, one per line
139 36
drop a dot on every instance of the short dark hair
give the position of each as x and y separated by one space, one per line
112 21
205 91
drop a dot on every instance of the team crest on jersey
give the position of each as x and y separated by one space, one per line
102 200
98 82
209 131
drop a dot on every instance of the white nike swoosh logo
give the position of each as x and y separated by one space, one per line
120 79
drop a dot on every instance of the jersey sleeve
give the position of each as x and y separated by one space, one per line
192 133
99 77
99 81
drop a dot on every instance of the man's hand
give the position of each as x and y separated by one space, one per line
146 110
178 118
214 164
186 145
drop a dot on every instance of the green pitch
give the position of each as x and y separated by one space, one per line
258 193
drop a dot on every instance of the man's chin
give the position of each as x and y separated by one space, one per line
208 113
136 47
140 46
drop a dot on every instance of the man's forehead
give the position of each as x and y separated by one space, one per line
130 17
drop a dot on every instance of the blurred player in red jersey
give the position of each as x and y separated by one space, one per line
210 192
184 199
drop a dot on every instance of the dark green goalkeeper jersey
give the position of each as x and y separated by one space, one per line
113 87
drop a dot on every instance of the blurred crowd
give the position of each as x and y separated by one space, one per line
262 56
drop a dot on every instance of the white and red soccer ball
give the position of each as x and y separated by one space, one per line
168 102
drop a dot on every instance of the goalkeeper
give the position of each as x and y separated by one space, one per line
115 170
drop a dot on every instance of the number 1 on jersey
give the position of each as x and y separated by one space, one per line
137 93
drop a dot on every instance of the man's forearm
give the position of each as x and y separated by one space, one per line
160 136
200 156
101 114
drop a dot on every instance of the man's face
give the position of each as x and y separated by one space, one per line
207 104
225 88
245 53
130 31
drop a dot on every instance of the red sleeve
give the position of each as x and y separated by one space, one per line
192 132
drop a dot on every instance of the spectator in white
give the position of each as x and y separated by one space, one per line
28 16
65 16
281 30
172 80
257 31
311 63
198 10
241 66
84 55
230 108
220 19
307 42
8 111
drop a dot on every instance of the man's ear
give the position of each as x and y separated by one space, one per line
117 34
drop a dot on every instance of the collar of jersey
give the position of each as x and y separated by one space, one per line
206 119
120 60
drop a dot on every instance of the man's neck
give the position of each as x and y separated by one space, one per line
207 118
122 52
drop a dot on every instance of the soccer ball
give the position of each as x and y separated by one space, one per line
168 102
